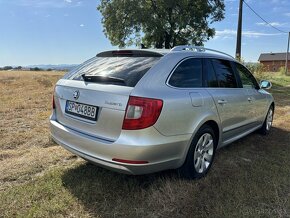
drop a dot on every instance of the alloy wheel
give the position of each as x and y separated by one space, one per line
203 153
269 120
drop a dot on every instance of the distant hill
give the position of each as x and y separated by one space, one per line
54 66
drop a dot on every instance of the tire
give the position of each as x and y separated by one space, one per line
200 155
265 129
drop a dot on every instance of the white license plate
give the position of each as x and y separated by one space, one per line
81 110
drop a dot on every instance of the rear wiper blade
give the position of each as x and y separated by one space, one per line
104 79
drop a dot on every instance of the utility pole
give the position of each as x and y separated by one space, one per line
286 64
239 32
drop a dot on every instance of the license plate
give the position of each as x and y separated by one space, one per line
81 110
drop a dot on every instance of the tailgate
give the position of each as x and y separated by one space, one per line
109 101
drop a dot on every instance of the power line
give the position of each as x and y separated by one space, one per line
263 18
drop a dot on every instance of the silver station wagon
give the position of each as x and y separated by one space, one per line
142 111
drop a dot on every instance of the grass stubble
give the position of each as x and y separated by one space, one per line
249 178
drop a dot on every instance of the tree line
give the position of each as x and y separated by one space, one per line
24 68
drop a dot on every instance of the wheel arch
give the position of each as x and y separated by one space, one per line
214 124
215 128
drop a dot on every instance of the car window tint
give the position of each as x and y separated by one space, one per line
211 79
188 74
129 69
247 79
225 74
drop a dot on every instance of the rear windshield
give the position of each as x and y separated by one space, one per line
127 69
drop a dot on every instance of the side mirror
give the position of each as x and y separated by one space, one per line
265 84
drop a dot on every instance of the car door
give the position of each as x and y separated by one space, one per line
257 101
186 98
230 100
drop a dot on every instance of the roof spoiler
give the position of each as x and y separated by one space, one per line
129 53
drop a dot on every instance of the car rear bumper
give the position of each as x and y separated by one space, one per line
160 151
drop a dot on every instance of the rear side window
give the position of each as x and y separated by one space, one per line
247 79
224 73
125 71
188 74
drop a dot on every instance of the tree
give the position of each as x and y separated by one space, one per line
18 68
160 23
7 68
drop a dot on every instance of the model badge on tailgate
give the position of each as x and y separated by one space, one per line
113 103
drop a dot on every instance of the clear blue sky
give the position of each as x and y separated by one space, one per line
70 31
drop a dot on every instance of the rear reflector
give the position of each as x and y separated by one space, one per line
130 161
141 113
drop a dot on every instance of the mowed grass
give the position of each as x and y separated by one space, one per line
249 178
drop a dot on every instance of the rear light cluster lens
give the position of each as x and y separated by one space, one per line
141 113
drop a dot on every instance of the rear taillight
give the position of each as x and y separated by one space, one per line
53 103
141 113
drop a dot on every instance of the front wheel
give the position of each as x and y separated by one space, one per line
265 129
201 154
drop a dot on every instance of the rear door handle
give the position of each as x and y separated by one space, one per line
221 101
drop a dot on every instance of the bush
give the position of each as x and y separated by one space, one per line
35 69
282 71
255 68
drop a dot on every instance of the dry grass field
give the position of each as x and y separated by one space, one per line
249 178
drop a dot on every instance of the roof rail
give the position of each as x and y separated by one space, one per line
197 49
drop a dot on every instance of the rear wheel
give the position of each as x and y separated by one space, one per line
265 129
201 154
